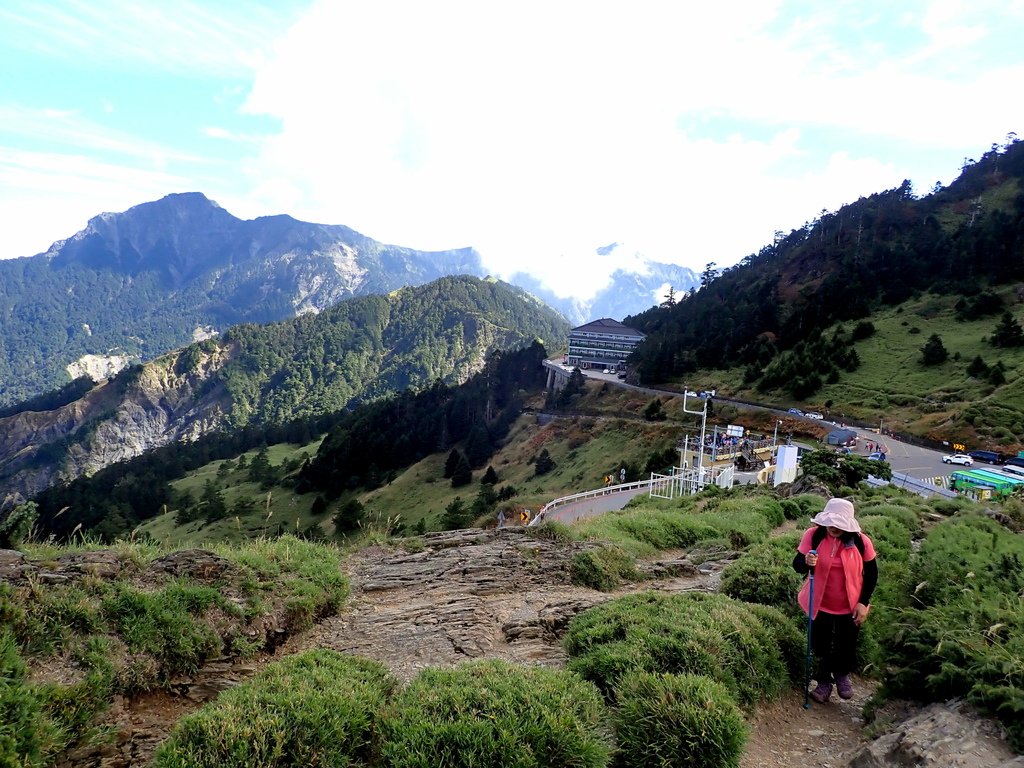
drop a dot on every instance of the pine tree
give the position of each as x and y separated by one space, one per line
1008 333
463 474
213 504
478 446
544 463
451 462
977 369
997 374
259 468
933 352
348 516
490 476
455 515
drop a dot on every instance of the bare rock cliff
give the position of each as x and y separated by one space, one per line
119 419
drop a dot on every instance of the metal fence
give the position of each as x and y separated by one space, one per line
914 485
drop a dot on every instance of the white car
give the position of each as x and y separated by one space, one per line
813 415
605 371
958 458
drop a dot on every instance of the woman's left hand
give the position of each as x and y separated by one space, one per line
860 612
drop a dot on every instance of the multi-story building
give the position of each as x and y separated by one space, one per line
603 343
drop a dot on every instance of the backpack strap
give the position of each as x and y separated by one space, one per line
847 538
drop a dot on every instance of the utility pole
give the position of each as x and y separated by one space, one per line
703 413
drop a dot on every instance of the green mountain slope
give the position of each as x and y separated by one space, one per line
953 259
876 252
359 350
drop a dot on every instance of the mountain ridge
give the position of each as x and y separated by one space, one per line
135 284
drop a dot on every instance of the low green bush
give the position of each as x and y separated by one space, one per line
677 720
491 713
163 624
20 735
905 515
691 633
318 708
765 575
962 630
604 568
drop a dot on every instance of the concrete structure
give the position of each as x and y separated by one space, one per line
603 343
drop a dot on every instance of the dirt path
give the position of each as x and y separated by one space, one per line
478 594
489 595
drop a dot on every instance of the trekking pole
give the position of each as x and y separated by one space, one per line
810 612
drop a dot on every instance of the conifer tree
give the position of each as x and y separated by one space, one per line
490 476
463 474
1008 333
933 352
451 462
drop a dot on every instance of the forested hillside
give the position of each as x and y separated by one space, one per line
363 446
360 350
876 252
142 282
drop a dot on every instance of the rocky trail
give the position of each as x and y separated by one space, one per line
506 594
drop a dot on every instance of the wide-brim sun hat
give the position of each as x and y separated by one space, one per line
838 513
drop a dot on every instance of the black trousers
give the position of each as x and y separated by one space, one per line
834 639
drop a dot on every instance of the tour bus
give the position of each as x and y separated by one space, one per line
971 480
997 474
1012 469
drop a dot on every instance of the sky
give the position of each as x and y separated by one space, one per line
536 132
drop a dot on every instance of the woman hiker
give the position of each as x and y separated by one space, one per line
845 575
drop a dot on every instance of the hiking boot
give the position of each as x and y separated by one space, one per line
844 687
822 693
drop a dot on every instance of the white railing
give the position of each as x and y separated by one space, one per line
686 480
608 490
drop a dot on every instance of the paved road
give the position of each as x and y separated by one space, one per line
578 510
902 457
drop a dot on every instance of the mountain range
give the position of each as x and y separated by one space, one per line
362 349
136 284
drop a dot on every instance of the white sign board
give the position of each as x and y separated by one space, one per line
734 430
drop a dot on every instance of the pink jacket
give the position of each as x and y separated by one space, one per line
853 569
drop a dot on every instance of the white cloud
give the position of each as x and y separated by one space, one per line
543 131
181 36
540 131
51 196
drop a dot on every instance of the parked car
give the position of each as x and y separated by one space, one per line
813 415
621 375
876 456
1015 461
795 411
958 458
605 371
990 457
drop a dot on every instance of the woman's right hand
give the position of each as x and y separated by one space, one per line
811 559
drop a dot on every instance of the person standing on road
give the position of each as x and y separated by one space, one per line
845 572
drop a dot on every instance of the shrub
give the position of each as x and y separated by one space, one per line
19 709
602 569
164 624
765 575
963 632
317 708
677 720
904 515
491 713
705 634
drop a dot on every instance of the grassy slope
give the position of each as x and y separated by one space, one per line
892 386
584 448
